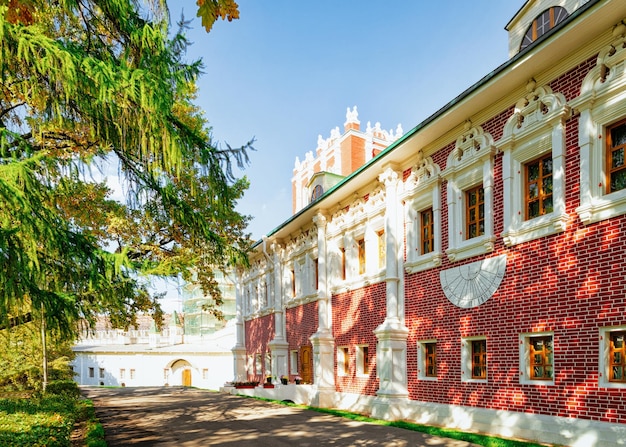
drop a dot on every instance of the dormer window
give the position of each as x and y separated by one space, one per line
543 23
317 193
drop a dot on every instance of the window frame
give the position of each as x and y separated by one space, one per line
362 360
477 190
526 374
427 231
608 156
343 361
605 379
541 194
422 360
532 32
547 357
467 359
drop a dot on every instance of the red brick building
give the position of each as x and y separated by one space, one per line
472 274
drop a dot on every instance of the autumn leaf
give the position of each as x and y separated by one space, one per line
211 10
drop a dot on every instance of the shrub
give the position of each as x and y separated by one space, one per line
67 388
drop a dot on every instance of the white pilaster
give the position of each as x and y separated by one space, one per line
392 333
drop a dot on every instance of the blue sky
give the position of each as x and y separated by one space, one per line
287 70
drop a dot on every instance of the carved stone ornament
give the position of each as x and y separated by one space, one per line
472 284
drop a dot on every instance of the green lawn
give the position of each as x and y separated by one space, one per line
47 420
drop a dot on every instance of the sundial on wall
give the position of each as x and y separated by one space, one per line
472 284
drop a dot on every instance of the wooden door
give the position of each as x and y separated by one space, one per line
306 364
186 377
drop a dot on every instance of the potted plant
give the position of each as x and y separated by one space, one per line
268 379
246 384
284 379
298 380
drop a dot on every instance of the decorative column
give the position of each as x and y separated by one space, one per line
239 350
392 333
323 341
279 347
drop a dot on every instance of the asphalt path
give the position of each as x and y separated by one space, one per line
173 416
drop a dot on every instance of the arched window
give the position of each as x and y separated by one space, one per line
317 193
543 23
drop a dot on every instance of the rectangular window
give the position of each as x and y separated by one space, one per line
165 373
205 374
122 373
539 187
92 372
258 364
343 263
615 147
316 265
430 354
293 363
382 249
617 357
101 373
362 360
541 358
427 231
479 359
132 373
343 361
475 212
361 252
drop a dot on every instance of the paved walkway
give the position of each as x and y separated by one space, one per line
188 417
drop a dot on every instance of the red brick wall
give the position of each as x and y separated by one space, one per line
571 283
259 332
302 322
355 316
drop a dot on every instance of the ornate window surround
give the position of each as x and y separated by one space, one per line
362 220
536 128
469 164
602 102
422 190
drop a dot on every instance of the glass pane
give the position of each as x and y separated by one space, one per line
617 158
471 231
618 135
472 214
548 372
618 180
481 226
546 166
547 205
533 172
538 371
471 198
481 195
537 359
617 357
618 341
481 211
533 191
533 210
617 373
547 185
